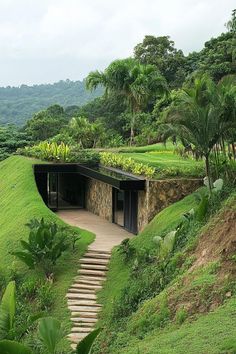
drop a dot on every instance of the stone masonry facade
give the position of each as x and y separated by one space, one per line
161 193
98 199
157 195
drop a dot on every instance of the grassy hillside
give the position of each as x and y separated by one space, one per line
183 305
17 104
20 202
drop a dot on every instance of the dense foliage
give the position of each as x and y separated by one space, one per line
17 104
203 116
52 151
11 139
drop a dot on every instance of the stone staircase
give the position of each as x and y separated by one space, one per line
82 298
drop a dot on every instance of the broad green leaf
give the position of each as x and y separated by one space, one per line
218 185
50 333
26 245
85 346
157 239
168 244
202 208
11 347
7 309
25 257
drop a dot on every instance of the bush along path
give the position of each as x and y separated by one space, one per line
81 297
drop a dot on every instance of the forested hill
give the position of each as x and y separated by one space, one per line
17 104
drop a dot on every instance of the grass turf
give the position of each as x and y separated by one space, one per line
213 333
168 164
118 274
20 202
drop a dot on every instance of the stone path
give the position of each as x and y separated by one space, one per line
81 297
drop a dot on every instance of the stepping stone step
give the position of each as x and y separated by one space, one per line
78 303
97 273
83 324
98 251
78 290
94 261
84 303
88 286
76 338
80 330
82 320
98 256
92 278
82 308
84 314
81 296
93 267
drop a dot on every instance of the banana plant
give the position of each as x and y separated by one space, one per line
50 333
85 346
7 311
12 347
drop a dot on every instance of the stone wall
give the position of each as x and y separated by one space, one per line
156 196
98 198
161 193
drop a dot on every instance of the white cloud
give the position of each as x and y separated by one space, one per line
49 40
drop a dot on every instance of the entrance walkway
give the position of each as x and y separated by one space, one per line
107 234
81 297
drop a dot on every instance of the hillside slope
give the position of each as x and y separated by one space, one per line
17 104
185 306
19 203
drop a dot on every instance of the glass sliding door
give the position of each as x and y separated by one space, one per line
131 211
71 189
118 207
125 209
66 191
52 190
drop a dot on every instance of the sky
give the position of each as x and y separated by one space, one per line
44 41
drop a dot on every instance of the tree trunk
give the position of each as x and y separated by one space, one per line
233 149
208 173
132 130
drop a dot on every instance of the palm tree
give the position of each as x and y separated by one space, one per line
202 115
136 83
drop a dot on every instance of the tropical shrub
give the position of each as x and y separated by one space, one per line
88 157
46 243
126 249
126 164
47 151
8 328
60 153
50 334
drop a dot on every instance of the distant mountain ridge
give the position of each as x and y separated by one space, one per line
17 104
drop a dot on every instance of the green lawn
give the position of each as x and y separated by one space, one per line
20 202
153 147
169 164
